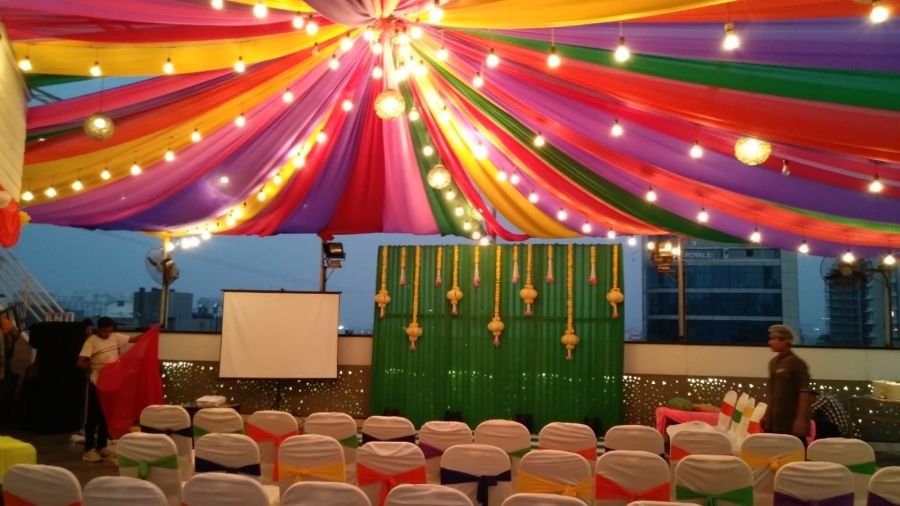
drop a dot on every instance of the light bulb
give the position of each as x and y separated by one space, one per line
299 161
205 235
476 235
702 216
803 248
553 60
196 136
321 137
502 176
217 4
492 59
377 73
261 196
450 195
889 260
879 13
650 196
230 221
533 197
459 211
240 121
237 212
696 150
170 155
622 53
369 35
785 168
260 10
484 241
416 32
77 185
427 150
27 196
402 39
224 180
443 54
277 180
848 257
377 49
632 241
616 129
414 115
288 96
105 175
514 179
25 64
478 81
334 63
480 151
99 122
755 236
539 140
561 215
444 115
875 186
435 14
298 22
239 65
651 245
169 67
311 26
346 43
347 105
467 226
135 169
96 71
731 40
610 234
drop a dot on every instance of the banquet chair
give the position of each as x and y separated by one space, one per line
823 483
388 428
175 422
381 465
430 494
884 487
481 472
434 439
151 457
233 454
569 437
340 426
634 437
765 454
855 454
511 437
310 458
217 420
556 472
323 493
221 489
697 442
714 480
624 476
119 490
726 410
41 485
541 500
269 429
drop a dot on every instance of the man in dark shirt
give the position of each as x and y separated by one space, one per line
789 392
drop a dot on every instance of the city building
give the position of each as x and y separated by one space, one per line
862 303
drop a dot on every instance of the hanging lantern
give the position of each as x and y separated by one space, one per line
99 126
615 296
455 294
752 151
439 177
389 104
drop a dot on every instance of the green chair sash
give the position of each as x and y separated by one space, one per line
520 453
349 442
863 468
143 467
742 496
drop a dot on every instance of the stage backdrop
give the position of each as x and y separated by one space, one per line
456 366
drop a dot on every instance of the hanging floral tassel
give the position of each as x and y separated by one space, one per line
593 279
615 296
382 298
496 324
439 266
550 277
528 294
569 339
476 280
455 294
403 266
414 331
515 272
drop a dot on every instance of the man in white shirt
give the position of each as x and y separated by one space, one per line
99 350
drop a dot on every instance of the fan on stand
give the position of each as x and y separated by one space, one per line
164 272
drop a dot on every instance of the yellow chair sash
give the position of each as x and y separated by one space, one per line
535 484
327 472
757 460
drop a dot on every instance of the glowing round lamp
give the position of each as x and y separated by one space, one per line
752 151
389 104
99 126
439 177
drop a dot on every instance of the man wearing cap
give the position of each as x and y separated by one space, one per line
789 392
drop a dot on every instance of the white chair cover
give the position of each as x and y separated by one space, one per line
430 494
340 426
435 437
569 437
175 422
511 437
886 484
147 449
541 500
855 454
671 430
320 455
698 442
765 454
479 460
558 467
388 428
388 458
267 427
119 490
738 431
813 481
220 489
234 454
713 475
634 471
726 410
634 437
42 485
221 420
321 493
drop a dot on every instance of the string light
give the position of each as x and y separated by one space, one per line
25 64
480 151
169 67
196 136
298 22
217 4
377 73
321 137
478 81
402 38
785 168
879 13
514 179
443 54
346 43
731 40
95 70
334 63
889 260
170 155
299 161
632 241
311 26
261 196
224 180
553 60
476 235
77 185
277 180
651 195
848 257
459 211
561 215
444 115
135 169
702 216
240 121
586 228
237 212
622 53
347 105
105 175
239 65
427 150
288 96
50 192
616 129
696 150
27 196
368 35
875 186
492 59
533 197
414 115
502 176
205 235
260 10
377 49
230 221
803 248
610 234
651 245
755 236
467 226
415 32
436 14
450 195
539 140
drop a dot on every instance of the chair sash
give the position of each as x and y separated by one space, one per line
782 499
186 431
758 460
531 483
519 453
349 441
429 451
607 449
261 435
588 453
13 500
754 427
608 489
863 468
736 417
451 477
327 472
742 496
677 453
202 465
200 431
365 475
877 500
143 466
727 409
368 438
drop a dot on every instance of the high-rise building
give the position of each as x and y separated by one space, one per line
147 306
862 303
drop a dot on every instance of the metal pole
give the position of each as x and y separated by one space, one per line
682 317
888 308
322 268
164 295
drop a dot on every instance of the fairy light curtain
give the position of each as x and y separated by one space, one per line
456 366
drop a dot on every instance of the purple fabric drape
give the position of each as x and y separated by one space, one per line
363 12
154 11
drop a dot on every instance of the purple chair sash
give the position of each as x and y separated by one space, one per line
877 500
429 451
782 499
368 438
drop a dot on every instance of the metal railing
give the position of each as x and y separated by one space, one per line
18 285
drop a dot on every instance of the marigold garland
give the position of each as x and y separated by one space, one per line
515 272
438 266
528 294
414 331
476 279
550 277
593 277
496 325
383 298
569 339
403 266
615 296
455 294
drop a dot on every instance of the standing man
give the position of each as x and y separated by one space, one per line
789 392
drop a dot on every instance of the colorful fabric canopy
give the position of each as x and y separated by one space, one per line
293 144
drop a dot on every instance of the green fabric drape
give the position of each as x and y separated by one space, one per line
41 80
455 366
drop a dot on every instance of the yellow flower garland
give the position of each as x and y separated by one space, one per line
414 331
528 294
593 277
496 325
550 277
455 294
438 266
615 296
569 339
515 272
476 280
403 266
383 298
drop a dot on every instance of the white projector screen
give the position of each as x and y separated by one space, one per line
279 335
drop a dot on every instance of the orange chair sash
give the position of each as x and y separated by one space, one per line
366 476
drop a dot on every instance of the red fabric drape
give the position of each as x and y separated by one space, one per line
758 10
10 225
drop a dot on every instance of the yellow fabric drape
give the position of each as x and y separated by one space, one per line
69 57
756 460
531 14
535 484
327 472
285 5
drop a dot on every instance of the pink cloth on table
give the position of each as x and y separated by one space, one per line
668 416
